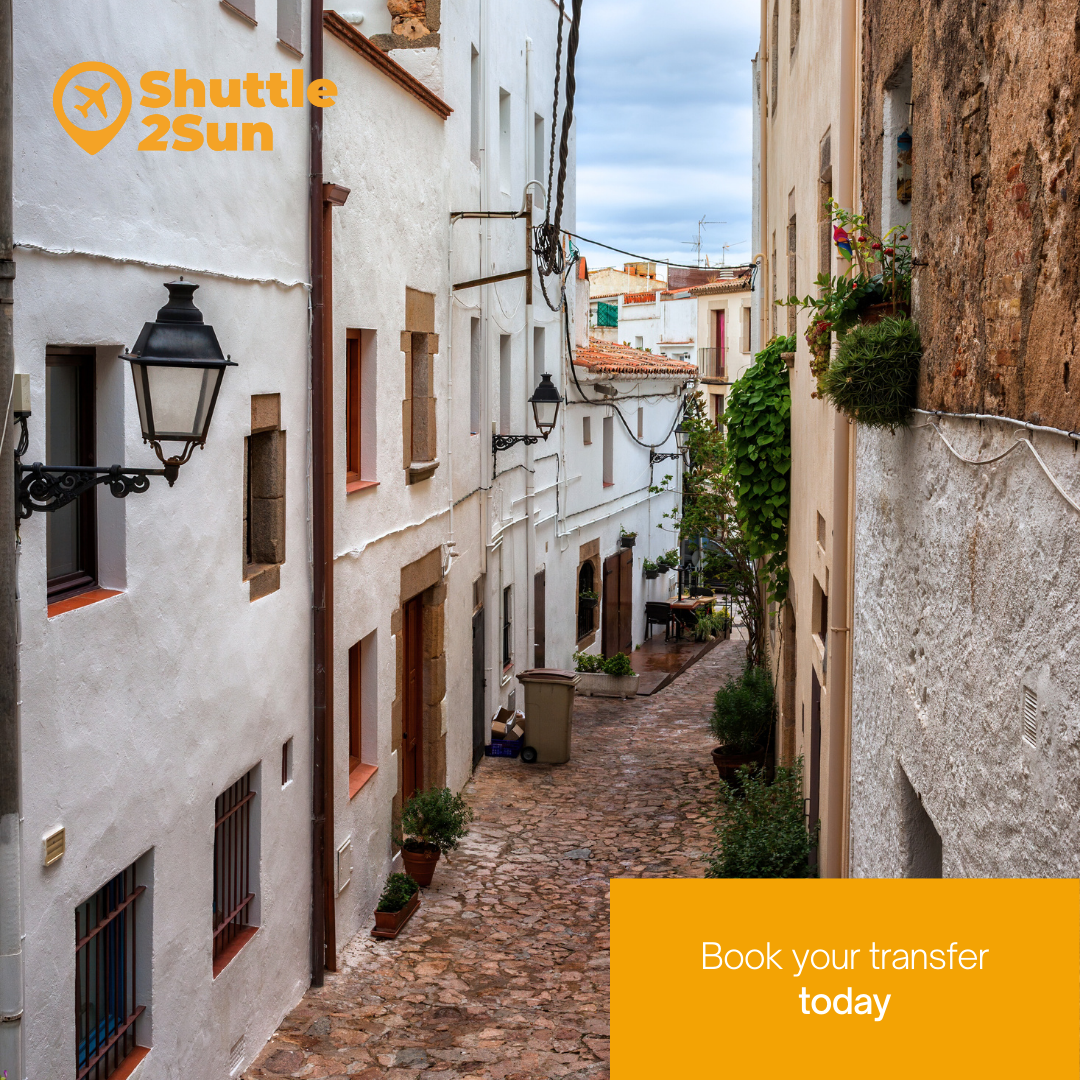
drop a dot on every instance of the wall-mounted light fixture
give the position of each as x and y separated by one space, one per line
178 366
545 403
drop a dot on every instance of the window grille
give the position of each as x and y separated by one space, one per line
232 858
507 651
586 611
1031 716
105 1009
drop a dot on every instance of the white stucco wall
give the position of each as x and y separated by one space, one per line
966 589
139 710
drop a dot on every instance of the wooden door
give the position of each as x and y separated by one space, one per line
539 618
412 713
479 685
721 345
626 601
815 756
609 621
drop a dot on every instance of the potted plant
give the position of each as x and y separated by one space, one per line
587 599
434 822
627 539
668 561
610 677
874 375
400 898
652 570
743 713
711 624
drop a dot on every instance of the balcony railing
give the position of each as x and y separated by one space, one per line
711 363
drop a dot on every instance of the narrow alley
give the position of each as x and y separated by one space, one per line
503 972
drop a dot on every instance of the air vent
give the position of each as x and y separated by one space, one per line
1031 716
236 1055
54 846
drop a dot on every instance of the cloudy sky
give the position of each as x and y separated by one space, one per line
663 110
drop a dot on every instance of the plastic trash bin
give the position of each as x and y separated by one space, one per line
549 713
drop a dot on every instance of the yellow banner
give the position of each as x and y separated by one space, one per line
860 978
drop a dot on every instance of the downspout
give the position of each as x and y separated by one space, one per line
322 914
11 960
836 862
763 179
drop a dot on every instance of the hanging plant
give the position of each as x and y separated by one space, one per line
874 375
758 419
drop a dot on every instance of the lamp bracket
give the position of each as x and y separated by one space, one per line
655 458
504 442
46 488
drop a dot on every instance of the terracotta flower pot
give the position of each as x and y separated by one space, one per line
728 762
420 865
876 312
388 924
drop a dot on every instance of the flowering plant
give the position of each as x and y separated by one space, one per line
878 271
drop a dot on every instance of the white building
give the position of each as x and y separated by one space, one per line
165 658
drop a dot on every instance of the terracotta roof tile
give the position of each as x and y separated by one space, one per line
609 358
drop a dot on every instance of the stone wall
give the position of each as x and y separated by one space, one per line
414 24
994 209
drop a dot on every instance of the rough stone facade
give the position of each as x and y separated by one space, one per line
994 209
967 581
414 24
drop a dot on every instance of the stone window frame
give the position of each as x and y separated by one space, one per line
587 553
264 498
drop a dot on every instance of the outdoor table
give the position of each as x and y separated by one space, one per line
685 611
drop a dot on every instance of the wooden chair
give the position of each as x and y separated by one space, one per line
659 614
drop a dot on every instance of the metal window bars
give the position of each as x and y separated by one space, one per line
105 1009
232 858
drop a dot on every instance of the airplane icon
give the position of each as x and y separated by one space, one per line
93 97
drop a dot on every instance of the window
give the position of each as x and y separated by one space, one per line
504 141
586 616
896 176
792 266
360 412
640 422
539 355
234 861
419 343
821 614
539 150
507 627
286 762
609 451
70 532
821 533
362 705
474 109
474 376
639 343
288 25
824 213
586 430
107 959
718 410
744 330
264 497
505 385
244 8
796 19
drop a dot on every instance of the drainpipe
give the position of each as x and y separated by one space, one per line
322 509
836 861
763 178
11 960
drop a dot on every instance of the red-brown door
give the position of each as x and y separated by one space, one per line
626 601
720 345
540 618
412 713
609 633
618 621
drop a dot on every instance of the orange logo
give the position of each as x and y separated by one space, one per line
95 108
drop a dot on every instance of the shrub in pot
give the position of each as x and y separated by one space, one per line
618 665
627 539
761 828
873 377
588 663
652 570
400 898
434 823
710 624
743 713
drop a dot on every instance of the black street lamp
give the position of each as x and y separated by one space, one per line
545 402
682 441
178 366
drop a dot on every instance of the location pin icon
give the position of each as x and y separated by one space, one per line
92 139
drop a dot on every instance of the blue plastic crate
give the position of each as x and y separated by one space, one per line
510 748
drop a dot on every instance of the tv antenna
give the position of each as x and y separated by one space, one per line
696 244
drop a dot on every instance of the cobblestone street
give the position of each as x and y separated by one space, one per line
502 974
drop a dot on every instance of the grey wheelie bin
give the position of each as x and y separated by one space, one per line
549 714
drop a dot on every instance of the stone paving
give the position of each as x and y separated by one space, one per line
502 974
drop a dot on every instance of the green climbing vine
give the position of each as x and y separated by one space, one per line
758 419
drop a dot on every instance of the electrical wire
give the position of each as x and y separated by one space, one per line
645 258
1005 453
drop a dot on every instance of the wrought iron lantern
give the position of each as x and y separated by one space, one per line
545 403
178 366
682 434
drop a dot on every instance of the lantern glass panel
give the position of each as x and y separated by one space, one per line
175 402
545 413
